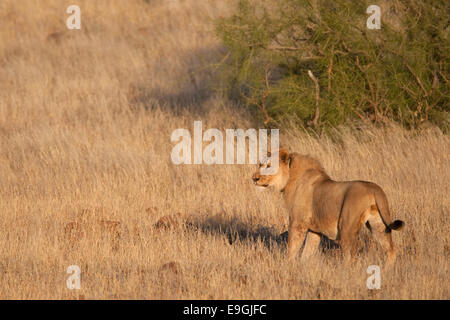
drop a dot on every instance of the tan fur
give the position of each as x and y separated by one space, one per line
319 205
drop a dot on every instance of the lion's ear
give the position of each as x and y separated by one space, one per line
284 156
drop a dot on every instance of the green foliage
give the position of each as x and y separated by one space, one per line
399 72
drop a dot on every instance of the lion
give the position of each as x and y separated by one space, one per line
318 206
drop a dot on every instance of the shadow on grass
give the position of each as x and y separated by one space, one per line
237 231
187 87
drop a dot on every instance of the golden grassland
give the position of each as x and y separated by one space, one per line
86 177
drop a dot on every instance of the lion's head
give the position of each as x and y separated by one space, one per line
279 179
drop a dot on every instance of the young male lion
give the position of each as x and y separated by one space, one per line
318 205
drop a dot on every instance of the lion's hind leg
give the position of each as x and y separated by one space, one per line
348 231
349 246
379 233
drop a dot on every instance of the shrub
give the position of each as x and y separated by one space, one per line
316 61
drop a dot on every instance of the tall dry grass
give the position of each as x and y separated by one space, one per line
86 176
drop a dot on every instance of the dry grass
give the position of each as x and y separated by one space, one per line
86 176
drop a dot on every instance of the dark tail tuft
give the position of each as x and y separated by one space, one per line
396 225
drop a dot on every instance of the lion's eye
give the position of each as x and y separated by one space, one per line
268 166
260 165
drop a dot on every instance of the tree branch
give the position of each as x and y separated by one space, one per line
317 112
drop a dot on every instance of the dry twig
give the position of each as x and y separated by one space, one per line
317 112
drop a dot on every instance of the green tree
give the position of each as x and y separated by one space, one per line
317 60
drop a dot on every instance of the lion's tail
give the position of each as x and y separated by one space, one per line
383 209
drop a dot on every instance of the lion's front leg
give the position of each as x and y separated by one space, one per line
296 237
311 245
